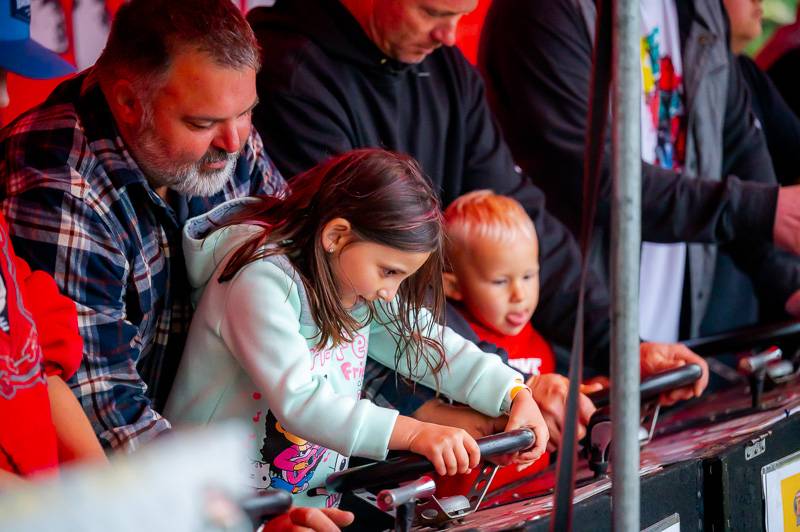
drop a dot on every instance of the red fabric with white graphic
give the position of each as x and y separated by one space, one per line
528 352
27 354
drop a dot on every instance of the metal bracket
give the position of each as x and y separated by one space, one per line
436 511
653 420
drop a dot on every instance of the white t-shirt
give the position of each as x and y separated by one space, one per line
663 144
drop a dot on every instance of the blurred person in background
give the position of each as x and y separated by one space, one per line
779 122
780 58
19 53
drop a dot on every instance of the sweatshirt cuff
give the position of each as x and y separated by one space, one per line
372 441
754 212
492 394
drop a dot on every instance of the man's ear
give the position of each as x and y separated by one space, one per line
125 103
336 234
452 289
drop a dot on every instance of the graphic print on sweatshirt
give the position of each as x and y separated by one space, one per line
292 463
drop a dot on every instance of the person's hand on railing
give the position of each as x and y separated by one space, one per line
525 413
301 519
658 357
451 450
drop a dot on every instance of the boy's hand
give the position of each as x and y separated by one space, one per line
525 413
451 450
550 393
476 424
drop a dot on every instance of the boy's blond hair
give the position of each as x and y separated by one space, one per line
484 214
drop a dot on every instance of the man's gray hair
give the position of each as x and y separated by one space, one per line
147 34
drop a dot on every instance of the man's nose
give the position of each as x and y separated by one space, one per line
227 138
445 33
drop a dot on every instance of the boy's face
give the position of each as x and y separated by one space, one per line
498 283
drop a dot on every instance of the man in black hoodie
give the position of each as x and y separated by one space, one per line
346 74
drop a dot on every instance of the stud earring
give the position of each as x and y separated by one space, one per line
331 249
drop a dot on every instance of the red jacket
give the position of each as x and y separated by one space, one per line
38 337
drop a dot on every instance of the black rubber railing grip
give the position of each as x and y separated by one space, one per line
655 385
269 504
744 338
409 466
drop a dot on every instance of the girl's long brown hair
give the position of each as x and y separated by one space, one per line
388 201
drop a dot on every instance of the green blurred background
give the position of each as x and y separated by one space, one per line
776 13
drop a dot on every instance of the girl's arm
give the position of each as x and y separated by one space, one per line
76 438
472 377
261 329
478 379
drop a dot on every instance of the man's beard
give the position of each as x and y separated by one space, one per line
188 179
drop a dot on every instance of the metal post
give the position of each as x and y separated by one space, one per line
625 244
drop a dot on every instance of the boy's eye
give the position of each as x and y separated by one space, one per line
499 282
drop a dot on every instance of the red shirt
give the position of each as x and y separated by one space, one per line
529 353
27 355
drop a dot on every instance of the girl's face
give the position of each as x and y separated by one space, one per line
366 271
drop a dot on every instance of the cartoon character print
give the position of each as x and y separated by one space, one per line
663 93
292 459
20 362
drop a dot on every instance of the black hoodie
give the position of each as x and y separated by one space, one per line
326 88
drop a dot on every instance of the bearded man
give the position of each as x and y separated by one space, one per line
97 182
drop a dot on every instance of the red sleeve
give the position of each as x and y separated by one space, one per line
56 321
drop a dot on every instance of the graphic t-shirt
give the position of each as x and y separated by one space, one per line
291 463
528 352
663 144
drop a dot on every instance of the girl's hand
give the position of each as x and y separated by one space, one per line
525 414
451 450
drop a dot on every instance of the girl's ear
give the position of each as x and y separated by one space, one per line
335 234
452 289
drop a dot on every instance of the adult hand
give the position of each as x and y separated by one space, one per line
786 232
657 357
300 519
793 304
550 392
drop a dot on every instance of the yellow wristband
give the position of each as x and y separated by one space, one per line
518 388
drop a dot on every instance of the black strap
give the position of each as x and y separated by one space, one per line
561 518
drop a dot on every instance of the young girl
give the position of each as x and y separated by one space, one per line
298 291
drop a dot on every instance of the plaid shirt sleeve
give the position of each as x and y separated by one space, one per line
61 233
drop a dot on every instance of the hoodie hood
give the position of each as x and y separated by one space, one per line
331 26
205 245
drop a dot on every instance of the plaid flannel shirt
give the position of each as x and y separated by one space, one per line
80 208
